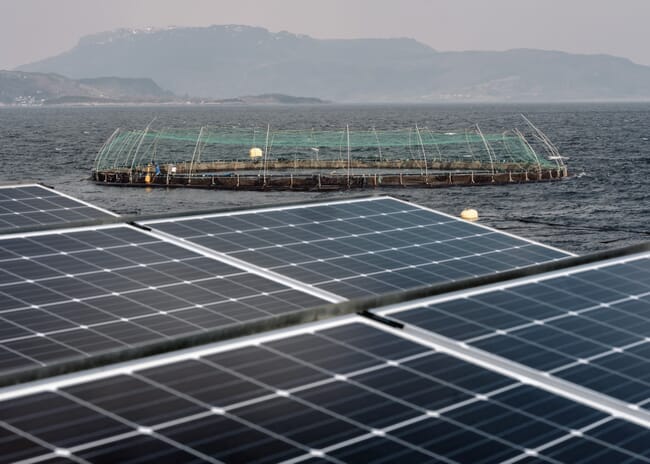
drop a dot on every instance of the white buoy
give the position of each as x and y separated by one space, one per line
469 214
255 153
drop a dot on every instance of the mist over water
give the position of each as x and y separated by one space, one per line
605 204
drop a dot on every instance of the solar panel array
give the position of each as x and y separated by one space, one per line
590 326
359 248
37 206
348 393
352 390
79 293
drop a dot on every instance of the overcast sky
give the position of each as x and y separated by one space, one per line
35 29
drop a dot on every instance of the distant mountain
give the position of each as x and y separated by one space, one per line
225 61
32 88
40 88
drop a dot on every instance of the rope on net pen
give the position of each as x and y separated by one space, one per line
489 150
104 148
434 143
424 156
196 148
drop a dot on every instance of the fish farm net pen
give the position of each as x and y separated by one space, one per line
262 158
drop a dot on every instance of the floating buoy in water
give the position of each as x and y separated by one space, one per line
255 153
469 214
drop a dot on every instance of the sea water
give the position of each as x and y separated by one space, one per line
604 204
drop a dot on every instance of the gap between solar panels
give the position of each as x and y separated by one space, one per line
448 290
486 339
350 390
299 316
524 374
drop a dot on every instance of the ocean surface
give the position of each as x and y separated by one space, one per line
604 204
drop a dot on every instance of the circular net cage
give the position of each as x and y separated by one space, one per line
234 157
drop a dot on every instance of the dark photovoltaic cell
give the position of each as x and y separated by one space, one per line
590 326
35 205
360 248
75 294
350 392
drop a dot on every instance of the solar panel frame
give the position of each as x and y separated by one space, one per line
576 344
121 290
301 242
494 423
34 205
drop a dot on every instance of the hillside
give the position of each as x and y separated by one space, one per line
226 61
48 88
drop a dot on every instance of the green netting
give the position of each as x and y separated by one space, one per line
136 148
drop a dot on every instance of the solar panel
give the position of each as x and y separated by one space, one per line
358 248
34 205
81 292
345 391
589 325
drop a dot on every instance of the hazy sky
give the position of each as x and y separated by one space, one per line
35 29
